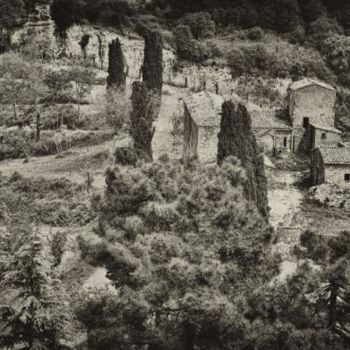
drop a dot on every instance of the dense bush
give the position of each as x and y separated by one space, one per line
200 23
188 48
255 33
51 202
156 221
68 12
254 60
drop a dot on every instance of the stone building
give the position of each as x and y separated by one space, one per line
273 134
321 136
330 165
202 117
310 102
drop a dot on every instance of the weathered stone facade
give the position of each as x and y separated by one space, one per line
201 126
323 136
310 102
330 165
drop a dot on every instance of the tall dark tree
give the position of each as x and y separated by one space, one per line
116 65
152 68
145 109
237 139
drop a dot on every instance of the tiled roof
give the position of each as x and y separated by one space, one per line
335 155
326 128
205 108
300 84
262 119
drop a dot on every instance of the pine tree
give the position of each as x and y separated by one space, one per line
237 139
116 65
184 248
152 68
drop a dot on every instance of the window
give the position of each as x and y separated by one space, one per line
347 177
324 136
285 141
306 122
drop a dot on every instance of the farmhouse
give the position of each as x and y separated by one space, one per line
330 165
310 102
272 133
202 117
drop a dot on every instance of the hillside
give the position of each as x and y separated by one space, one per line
111 237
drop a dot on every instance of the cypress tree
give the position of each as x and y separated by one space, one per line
236 138
152 68
145 109
116 65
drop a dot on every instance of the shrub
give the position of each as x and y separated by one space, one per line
200 24
118 109
252 60
255 33
189 48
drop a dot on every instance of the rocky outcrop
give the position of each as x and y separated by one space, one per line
38 30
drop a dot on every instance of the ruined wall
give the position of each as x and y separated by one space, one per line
335 174
315 103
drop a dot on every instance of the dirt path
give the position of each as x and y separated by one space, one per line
284 197
284 201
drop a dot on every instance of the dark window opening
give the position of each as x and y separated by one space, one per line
306 122
324 136
285 140
347 177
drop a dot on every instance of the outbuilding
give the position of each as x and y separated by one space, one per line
330 165
202 117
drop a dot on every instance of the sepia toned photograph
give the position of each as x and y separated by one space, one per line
174 175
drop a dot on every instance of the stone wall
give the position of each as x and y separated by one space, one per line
313 102
335 174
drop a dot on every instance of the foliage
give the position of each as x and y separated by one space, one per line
152 67
116 65
12 13
184 248
237 139
145 110
187 47
83 78
37 317
118 109
255 33
109 12
319 313
52 202
200 24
